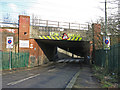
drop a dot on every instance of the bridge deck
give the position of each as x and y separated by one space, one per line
54 30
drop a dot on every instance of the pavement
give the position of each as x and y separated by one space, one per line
86 79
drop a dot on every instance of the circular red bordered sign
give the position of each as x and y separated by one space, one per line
9 41
106 41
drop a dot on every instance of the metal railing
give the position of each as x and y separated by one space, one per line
113 58
17 60
65 25
47 23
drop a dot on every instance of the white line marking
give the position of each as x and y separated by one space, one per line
71 60
60 61
13 83
51 70
77 60
66 60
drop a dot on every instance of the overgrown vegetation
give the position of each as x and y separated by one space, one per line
105 78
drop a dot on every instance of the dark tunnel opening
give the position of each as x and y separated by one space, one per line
49 47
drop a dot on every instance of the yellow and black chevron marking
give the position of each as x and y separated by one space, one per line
60 38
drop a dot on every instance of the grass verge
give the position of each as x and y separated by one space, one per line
105 78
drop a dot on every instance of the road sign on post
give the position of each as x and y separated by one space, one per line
106 42
9 42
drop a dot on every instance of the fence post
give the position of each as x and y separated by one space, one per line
69 25
10 61
58 24
24 59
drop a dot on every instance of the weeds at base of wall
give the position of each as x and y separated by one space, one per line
45 60
107 80
39 61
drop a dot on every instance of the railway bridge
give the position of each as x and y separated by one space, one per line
48 37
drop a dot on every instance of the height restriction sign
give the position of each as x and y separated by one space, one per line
106 42
9 42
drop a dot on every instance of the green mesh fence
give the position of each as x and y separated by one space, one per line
5 60
17 60
113 57
100 57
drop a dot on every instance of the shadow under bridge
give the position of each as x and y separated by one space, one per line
50 48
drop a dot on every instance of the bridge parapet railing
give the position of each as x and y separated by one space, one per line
65 25
46 27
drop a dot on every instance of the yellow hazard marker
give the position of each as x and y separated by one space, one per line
80 39
73 38
53 37
44 37
69 38
40 37
60 38
48 37
76 39
57 38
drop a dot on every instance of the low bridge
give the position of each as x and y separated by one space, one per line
45 37
43 29
50 36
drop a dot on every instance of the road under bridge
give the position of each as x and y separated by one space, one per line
49 47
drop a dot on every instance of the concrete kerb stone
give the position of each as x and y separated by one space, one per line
72 81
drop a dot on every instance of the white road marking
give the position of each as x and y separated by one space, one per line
13 83
71 60
66 60
77 60
51 70
60 61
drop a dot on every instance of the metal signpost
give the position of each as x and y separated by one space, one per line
104 39
9 44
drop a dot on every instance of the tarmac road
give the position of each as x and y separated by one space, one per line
54 76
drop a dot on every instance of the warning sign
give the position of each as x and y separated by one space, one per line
65 37
9 42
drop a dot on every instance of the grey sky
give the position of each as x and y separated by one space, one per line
79 11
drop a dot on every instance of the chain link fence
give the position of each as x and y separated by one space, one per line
14 60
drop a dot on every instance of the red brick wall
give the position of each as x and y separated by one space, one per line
98 41
91 48
36 52
24 26
37 56
7 31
